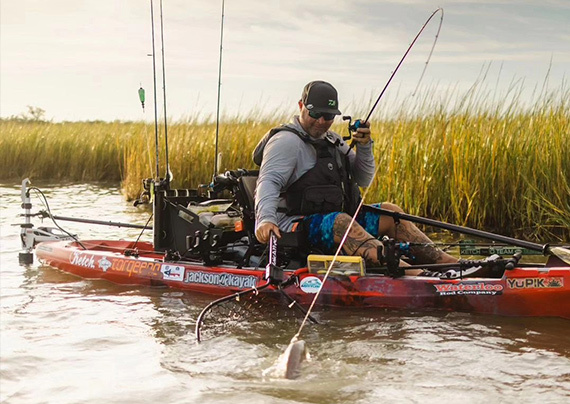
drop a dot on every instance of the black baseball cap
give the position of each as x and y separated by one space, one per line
320 96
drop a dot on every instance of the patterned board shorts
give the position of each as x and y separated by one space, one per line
320 227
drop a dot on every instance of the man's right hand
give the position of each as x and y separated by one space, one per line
264 231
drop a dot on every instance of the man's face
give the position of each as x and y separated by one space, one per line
314 127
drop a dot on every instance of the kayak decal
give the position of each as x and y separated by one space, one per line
104 264
172 272
221 279
136 267
479 288
82 260
535 283
310 284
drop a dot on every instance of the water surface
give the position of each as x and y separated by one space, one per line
69 340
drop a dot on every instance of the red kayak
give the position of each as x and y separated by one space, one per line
541 290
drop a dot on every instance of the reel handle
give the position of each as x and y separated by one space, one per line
352 126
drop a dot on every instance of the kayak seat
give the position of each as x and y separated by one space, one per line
290 243
246 186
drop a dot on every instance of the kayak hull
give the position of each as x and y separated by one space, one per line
536 291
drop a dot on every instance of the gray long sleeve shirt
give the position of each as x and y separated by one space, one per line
286 158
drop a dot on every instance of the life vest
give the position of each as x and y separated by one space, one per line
327 187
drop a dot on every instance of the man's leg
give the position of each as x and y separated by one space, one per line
358 241
406 231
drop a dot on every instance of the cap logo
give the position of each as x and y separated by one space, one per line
332 103
309 106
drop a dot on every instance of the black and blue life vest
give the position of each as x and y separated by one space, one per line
327 187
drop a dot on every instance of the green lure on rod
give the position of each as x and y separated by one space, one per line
141 97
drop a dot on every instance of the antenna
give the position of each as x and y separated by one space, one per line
167 175
219 86
154 78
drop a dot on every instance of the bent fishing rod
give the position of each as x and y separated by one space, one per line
353 126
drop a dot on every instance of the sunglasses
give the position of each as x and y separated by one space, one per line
326 115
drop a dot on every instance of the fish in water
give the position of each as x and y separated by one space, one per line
288 365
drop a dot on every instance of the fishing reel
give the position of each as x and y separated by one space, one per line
352 126
145 196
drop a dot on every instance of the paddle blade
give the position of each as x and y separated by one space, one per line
562 253
288 365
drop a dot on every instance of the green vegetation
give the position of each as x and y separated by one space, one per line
500 168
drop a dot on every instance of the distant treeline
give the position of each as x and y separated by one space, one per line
500 170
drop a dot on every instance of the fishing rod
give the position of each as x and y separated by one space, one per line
154 88
353 126
295 342
141 93
44 214
167 176
546 249
219 90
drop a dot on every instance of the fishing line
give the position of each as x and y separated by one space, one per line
431 50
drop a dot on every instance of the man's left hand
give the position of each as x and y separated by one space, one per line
362 134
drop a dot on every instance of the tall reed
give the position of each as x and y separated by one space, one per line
496 166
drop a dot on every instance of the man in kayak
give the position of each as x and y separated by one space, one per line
309 178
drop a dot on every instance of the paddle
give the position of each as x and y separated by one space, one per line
560 252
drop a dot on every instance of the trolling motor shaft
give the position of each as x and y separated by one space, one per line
26 257
29 235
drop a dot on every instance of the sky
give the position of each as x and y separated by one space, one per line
85 60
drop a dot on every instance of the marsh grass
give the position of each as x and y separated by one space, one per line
489 165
